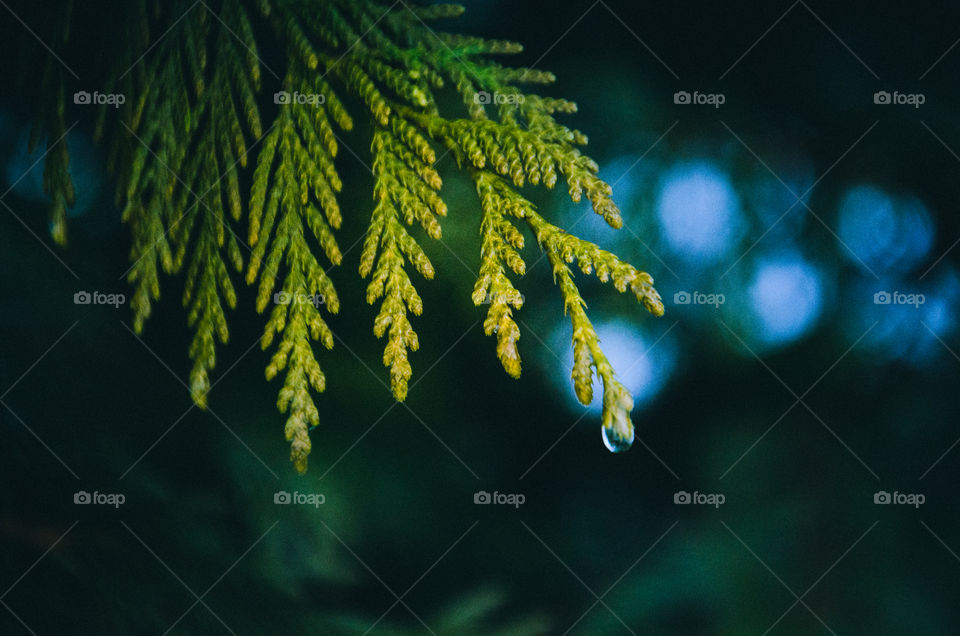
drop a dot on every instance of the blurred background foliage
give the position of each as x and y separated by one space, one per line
710 201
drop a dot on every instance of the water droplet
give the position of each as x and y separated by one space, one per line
615 441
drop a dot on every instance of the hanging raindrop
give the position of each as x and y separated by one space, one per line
616 442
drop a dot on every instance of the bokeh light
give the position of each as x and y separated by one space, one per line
699 212
23 171
643 363
909 321
785 298
883 232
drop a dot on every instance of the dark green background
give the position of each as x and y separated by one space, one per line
799 516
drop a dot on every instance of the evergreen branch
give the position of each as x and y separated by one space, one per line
50 127
500 237
295 162
390 246
196 144
179 148
500 243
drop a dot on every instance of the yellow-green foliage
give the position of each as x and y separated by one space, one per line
192 123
